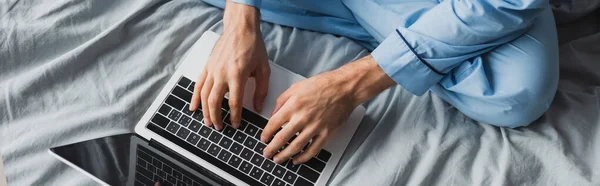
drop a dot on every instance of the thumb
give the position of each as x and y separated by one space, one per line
262 87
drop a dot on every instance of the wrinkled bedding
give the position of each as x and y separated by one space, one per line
73 70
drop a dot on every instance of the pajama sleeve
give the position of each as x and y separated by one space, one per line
254 3
419 55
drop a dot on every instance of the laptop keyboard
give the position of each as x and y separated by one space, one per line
236 151
151 168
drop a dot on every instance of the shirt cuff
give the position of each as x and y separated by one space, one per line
399 61
254 3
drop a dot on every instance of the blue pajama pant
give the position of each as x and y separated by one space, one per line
509 86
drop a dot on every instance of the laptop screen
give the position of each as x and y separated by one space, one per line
130 160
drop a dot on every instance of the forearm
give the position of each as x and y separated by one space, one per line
364 79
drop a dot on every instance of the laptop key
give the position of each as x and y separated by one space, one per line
279 171
171 179
215 137
303 182
239 137
251 130
257 159
191 87
186 110
324 155
247 154
175 102
227 119
246 167
143 171
225 143
243 125
193 139
291 166
194 126
256 173
224 156
204 131
267 179
235 161
214 149
185 121
184 82
253 118
308 173
177 175
257 135
160 120
260 147
229 131
198 114
290 177
236 148
173 127
182 93
268 165
183 133
250 143
278 182
203 144
174 115
316 164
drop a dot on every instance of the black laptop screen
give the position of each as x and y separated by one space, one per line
129 160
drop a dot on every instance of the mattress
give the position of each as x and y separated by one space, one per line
73 70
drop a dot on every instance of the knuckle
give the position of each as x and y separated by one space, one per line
213 100
205 92
280 138
295 147
234 103
234 72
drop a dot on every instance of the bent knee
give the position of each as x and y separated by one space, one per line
515 111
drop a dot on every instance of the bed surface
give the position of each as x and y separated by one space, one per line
73 70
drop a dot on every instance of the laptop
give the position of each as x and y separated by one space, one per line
187 152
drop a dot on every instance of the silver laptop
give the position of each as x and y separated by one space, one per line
234 155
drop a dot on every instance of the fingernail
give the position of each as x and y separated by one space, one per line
277 160
294 162
236 125
267 155
263 139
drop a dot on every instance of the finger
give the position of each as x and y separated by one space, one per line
273 125
280 139
195 102
281 100
315 146
236 96
262 87
214 104
294 147
157 184
204 93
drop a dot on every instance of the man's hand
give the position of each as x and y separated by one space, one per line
238 55
317 106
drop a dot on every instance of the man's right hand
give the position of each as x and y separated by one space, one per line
238 55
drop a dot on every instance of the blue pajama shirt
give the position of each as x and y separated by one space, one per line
496 61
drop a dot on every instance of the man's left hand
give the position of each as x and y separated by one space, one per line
314 108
